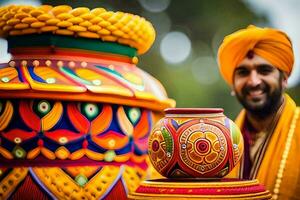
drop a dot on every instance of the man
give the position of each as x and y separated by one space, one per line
256 63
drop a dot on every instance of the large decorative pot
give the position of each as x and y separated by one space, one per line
75 110
200 143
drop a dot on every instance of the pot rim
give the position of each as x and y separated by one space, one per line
193 110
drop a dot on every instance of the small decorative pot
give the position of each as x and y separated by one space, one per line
195 142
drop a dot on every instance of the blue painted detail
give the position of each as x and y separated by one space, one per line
16 118
34 76
29 145
94 147
114 125
64 122
50 144
150 122
227 123
175 125
125 149
138 151
6 144
74 145
19 74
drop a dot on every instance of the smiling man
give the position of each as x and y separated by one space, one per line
259 86
256 63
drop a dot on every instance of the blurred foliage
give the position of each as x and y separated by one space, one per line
206 23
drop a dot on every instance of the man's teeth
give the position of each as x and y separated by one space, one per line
255 92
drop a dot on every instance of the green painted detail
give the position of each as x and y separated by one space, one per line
81 180
168 139
69 72
90 110
5 79
47 40
235 133
133 114
111 71
50 80
121 77
42 107
109 156
97 82
19 152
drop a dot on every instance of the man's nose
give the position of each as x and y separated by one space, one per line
254 79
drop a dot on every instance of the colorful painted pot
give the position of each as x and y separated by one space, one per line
75 110
194 142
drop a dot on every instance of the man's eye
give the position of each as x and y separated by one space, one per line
265 69
242 72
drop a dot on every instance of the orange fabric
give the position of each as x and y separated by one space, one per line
267 173
271 44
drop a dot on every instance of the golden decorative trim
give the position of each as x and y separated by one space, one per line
132 177
199 184
123 28
62 186
285 154
140 196
6 154
6 115
11 181
49 120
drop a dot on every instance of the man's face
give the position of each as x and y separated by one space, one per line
259 85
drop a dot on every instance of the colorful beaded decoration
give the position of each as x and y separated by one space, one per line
123 28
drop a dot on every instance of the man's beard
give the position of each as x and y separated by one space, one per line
271 104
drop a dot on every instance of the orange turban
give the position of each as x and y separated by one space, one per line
271 44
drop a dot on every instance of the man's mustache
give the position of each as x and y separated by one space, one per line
263 87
